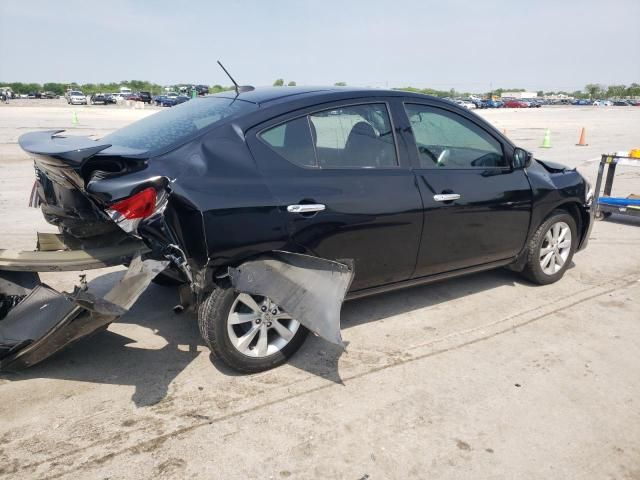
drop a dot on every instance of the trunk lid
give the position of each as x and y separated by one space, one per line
64 167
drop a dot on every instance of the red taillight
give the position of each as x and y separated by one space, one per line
140 205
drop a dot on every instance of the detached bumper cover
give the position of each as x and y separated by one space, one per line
45 321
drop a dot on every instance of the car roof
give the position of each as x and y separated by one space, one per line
263 95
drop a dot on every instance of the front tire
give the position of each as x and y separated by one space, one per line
551 249
249 333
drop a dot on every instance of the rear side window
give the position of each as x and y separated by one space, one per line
358 136
448 140
292 141
165 128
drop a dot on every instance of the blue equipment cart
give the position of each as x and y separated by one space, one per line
605 205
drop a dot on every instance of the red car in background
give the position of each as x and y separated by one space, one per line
516 104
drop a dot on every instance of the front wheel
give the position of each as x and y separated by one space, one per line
249 333
551 249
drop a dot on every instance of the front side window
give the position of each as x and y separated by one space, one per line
448 140
357 136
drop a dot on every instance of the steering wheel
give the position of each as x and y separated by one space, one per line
443 158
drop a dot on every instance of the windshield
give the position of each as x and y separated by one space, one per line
164 128
76 93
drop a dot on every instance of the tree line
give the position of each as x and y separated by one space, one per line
591 91
91 88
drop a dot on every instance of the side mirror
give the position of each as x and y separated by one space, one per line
521 158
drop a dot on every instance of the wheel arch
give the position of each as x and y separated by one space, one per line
570 206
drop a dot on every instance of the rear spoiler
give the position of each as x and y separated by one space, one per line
74 149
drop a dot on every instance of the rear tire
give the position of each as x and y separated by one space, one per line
216 328
551 249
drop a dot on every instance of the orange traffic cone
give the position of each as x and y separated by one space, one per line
583 138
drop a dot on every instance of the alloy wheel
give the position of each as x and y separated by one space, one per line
555 248
257 327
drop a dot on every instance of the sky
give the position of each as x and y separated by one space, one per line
467 45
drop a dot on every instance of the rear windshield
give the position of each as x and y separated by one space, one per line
165 128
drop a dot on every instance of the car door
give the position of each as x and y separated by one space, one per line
344 187
477 208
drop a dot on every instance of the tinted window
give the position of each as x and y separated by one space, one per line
448 140
292 140
355 136
169 126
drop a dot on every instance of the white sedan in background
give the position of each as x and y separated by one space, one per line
77 98
467 105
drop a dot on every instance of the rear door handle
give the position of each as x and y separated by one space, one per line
446 197
306 208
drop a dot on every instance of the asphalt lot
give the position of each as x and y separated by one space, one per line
480 377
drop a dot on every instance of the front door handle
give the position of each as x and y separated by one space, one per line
446 197
306 208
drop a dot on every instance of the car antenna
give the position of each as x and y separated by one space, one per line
238 88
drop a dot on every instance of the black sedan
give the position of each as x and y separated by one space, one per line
170 100
98 98
269 207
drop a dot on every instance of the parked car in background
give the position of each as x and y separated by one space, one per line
465 104
76 97
634 103
133 97
533 102
171 99
492 104
621 103
515 104
8 93
477 103
248 201
202 90
49 95
145 97
97 98
581 102
158 99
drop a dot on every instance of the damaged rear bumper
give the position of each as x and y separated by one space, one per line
36 321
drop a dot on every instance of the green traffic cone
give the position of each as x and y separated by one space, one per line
546 142
74 118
